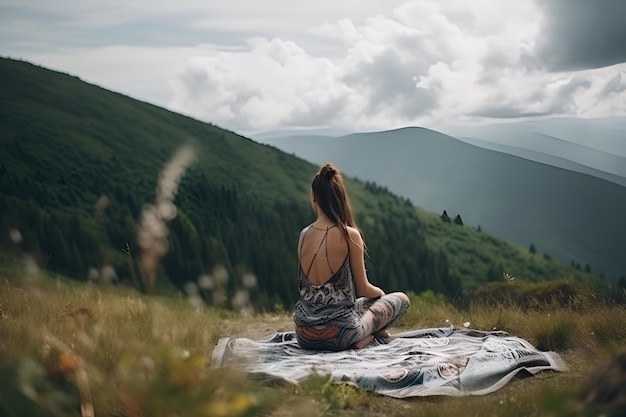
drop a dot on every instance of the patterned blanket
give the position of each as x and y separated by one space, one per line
438 361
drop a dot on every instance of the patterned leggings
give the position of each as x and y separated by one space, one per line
373 316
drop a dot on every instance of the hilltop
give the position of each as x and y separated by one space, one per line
80 165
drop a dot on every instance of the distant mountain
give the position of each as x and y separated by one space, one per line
590 158
573 216
593 146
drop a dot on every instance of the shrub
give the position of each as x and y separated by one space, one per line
560 293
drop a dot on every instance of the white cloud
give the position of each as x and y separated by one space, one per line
347 65
271 83
426 63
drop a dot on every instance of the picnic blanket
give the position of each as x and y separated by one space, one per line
436 361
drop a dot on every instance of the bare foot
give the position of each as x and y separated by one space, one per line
363 342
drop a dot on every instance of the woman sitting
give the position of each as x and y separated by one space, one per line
338 307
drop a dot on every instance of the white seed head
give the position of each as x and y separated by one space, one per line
16 236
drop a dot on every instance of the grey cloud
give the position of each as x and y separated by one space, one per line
196 86
492 63
582 34
556 102
616 84
157 29
530 61
320 115
563 101
495 112
569 88
196 83
391 83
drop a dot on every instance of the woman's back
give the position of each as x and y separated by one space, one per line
323 251
332 274
326 287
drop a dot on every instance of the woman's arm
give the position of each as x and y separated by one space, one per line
357 263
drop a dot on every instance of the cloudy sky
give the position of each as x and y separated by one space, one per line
342 65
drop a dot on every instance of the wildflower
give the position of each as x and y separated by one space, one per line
466 324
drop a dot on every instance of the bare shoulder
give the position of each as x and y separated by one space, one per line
304 230
353 232
302 233
355 236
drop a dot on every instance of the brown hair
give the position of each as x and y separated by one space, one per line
331 196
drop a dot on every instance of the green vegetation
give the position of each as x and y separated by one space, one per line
78 174
82 167
67 345
479 257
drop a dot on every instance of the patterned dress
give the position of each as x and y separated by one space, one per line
331 317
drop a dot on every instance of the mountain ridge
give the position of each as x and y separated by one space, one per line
437 171
547 159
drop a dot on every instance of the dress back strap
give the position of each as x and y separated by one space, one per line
324 240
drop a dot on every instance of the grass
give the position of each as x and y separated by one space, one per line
150 356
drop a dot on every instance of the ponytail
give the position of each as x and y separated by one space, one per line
330 194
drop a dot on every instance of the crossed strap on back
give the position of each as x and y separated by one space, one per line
324 239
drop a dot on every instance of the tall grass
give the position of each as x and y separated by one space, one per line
142 355
150 356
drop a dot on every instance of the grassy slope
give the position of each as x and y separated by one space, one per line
475 254
79 119
86 139
148 356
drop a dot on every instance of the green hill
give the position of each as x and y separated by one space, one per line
79 164
574 216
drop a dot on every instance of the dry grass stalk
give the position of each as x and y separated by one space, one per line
153 232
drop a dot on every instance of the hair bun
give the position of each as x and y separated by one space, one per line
328 170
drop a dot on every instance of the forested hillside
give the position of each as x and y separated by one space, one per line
573 216
78 164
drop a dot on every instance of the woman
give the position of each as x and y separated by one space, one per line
338 307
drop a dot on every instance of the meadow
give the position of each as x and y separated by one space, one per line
79 336
95 349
